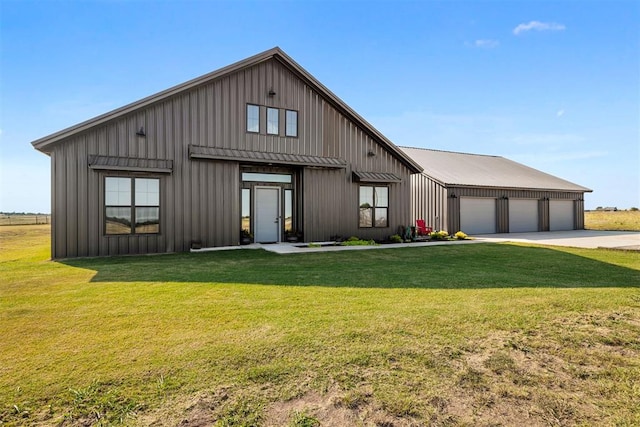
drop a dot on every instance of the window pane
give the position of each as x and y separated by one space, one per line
365 217
382 197
272 121
253 118
381 217
117 191
291 123
118 220
246 209
147 220
366 197
147 192
288 210
266 177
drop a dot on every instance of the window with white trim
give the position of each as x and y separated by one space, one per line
132 205
374 206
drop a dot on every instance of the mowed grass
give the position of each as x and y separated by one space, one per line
612 220
462 334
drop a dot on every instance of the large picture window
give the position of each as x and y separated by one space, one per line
374 206
132 205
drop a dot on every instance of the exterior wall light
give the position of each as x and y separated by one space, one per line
141 132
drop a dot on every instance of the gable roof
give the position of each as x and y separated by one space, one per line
477 170
44 144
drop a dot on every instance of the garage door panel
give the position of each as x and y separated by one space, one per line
523 215
478 215
560 215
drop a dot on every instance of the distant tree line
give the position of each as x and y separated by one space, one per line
614 209
22 213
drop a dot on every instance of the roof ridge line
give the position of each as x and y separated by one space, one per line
452 152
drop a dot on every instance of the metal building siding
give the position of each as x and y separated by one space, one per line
543 196
433 201
200 198
429 202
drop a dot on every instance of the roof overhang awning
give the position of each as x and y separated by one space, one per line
361 176
263 157
130 164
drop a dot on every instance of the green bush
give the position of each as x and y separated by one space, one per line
396 238
359 242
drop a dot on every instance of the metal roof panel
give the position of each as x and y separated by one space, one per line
477 170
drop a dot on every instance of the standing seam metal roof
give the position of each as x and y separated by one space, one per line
477 170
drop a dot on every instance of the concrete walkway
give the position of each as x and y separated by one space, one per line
577 238
302 248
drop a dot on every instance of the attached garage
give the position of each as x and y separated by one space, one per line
523 215
561 215
481 194
478 215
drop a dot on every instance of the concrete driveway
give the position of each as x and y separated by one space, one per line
577 238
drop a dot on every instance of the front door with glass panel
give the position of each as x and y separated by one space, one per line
267 214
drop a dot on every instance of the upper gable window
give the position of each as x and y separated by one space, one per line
291 123
253 118
272 121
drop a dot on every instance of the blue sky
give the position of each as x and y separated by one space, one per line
553 85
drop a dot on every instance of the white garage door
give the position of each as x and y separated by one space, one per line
477 215
523 215
560 215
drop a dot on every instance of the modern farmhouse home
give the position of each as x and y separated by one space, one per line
481 194
259 148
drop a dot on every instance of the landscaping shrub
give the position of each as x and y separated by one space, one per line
460 235
439 235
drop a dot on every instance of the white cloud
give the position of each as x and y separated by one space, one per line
486 43
560 113
538 26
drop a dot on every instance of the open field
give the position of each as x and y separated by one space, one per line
19 219
613 220
482 334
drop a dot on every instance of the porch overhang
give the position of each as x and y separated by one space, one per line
263 157
362 176
130 164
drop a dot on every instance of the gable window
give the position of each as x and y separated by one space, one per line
291 123
272 121
253 118
374 206
132 205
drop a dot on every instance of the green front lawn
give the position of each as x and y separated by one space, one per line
472 334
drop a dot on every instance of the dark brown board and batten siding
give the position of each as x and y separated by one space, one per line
200 198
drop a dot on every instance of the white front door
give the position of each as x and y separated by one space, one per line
267 215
